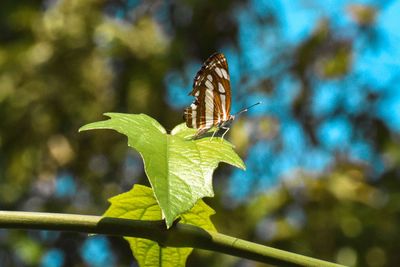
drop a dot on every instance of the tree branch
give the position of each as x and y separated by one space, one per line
181 235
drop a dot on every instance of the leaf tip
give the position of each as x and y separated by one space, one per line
91 126
240 164
169 221
83 128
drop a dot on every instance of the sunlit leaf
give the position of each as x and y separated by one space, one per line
179 169
140 204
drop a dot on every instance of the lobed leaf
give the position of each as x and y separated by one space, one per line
139 204
179 169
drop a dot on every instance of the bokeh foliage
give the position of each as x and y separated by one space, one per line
64 63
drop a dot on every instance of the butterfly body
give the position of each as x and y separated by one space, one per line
212 92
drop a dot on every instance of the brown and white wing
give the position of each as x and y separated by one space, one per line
212 92
220 74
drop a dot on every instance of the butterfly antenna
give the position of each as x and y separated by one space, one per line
246 109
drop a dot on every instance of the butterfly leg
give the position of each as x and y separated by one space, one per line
226 130
216 131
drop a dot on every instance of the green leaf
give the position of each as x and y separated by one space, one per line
140 204
179 169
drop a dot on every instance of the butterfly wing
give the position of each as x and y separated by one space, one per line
212 92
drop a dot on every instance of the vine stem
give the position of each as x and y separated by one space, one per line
180 235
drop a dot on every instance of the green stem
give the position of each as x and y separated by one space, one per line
181 235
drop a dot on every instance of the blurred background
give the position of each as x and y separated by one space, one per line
322 153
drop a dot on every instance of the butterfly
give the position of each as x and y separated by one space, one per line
212 92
